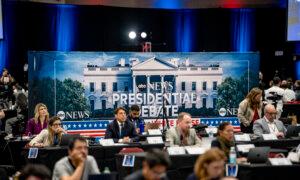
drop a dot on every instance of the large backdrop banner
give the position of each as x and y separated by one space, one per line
84 88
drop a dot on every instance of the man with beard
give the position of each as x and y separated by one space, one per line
182 134
78 165
136 119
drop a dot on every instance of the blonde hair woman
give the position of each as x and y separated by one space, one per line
209 165
50 136
39 121
250 109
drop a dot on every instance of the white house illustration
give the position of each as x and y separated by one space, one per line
152 76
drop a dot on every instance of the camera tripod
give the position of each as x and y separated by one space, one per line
164 117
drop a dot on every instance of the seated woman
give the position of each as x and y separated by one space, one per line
209 165
50 136
224 138
40 120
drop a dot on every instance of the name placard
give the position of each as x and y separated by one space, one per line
176 150
194 150
33 153
106 142
155 140
269 137
280 161
242 137
128 160
154 132
244 148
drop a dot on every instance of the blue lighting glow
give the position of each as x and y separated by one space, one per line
242 29
297 64
65 27
184 31
8 30
168 4
297 48
3 54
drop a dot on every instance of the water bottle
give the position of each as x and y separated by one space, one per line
210 132
232 156
141 126
106 170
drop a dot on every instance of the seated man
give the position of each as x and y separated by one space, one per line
121 130
135 118
269 124
35 171
155 166
78 165
182 134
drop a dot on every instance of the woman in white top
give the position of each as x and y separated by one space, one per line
50 136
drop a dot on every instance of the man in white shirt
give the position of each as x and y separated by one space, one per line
269 124
274 95
78 165
288 95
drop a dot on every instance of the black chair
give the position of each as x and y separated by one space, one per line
66 138
292 131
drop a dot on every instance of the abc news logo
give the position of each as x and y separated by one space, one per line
73 115
229 112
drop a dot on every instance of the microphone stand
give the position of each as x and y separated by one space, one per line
165 120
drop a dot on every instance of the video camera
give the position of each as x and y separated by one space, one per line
275 97
18 128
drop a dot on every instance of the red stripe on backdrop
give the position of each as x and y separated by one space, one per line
84 131
90 134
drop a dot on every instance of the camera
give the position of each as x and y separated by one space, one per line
19 127
275 97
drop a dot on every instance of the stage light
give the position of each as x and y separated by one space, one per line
143 35
132 35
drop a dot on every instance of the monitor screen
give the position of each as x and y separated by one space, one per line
293 28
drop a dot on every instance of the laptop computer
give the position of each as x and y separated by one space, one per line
258 154
292 131
66 138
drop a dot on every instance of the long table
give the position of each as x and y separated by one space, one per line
11 153
182 166
280 143
268 172
104 155
107 156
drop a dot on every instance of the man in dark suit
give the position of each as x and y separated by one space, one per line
121 130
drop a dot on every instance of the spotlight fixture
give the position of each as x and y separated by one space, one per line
143 35
132 35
